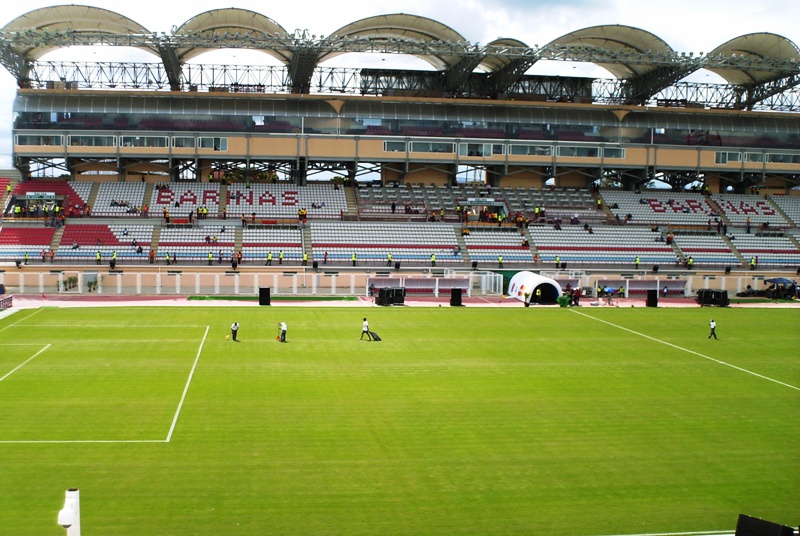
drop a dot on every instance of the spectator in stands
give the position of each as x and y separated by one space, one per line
239 257
44 256
747 225
394 207
219 257
52 256
590 230
244 221
152 256
139 250
325 258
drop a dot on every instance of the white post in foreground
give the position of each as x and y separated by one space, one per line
70 516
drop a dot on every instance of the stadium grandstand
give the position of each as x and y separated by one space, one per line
475 162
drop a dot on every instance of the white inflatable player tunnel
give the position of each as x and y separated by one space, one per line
523 286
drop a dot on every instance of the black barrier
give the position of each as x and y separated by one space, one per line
655 268
455 297
707 296
397 266
263 296
399 296
474 265
753 526
652 298
385 296
315 265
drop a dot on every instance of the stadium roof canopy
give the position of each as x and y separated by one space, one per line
231 21
763 64
75 18
617 38
755 45
401 26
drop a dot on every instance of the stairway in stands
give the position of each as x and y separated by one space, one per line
93 194
352 202
223 200
154 241
57 238
463 245
307 242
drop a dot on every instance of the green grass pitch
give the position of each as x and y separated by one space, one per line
485 421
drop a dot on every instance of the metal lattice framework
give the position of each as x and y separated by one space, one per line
373 82
303 74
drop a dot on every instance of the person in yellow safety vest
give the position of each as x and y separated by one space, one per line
280 257
98 258
269 259
538 295
353 258
636 262
17 211
26 257
433 259
690 263
599 204
114 256
305 259
752 263
210 258
499 261
558 262
167 258
388 259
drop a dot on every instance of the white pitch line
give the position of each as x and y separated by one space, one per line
45 441
701 533
186 388
21 319
698 354
26 362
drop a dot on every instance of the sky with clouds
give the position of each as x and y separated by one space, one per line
686 25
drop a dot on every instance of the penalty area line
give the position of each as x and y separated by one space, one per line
21 319
701 533
25 362
56 441
698 354
186 388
